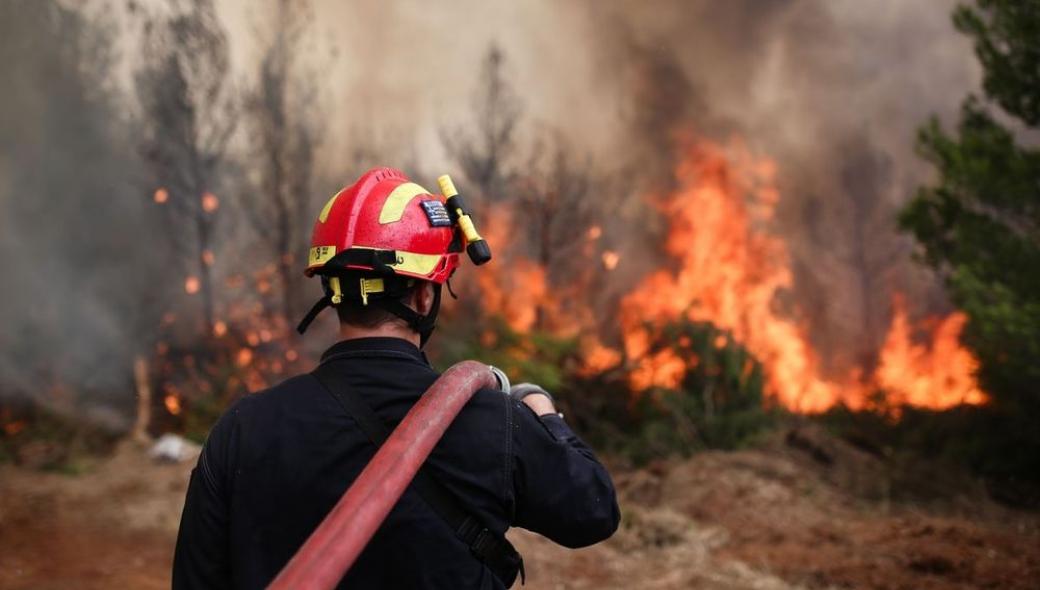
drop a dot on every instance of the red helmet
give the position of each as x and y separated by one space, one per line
385 212
375 237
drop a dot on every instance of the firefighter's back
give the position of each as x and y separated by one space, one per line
283 457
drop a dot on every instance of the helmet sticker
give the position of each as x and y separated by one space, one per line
320 255
436 213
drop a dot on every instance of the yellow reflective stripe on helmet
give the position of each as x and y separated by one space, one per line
393 208
320 255
324 215
420 264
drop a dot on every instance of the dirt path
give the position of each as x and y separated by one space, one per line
764 519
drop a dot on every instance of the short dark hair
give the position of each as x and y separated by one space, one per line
353 313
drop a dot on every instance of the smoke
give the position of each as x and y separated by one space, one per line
77 248
832 90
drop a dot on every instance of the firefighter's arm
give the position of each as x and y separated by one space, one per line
201 559
561 489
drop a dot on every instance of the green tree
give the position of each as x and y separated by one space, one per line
979 224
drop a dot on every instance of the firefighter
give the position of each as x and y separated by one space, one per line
278 460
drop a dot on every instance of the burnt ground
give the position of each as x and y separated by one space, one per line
803 511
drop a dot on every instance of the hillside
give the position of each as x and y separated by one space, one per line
803 510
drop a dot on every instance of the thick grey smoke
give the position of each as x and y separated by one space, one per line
834 93
77 247
833 90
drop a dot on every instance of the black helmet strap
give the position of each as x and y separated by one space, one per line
389 300
423 324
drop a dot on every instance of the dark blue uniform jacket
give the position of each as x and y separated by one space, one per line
277 461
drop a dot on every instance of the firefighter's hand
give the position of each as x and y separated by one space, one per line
535 397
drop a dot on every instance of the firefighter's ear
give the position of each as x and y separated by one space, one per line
423 298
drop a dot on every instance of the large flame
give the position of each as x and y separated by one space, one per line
939 376
730 271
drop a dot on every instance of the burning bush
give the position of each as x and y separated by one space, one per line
708 394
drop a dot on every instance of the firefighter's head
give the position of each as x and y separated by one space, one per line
383 248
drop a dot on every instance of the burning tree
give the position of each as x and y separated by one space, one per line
559 201
485 156
979 225
188 117
280 117
545 218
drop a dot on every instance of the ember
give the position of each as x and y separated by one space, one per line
172 403
210 203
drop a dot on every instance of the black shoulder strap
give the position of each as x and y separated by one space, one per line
493 549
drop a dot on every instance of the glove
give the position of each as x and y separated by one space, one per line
522 390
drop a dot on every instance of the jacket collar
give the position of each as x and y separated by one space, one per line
374 345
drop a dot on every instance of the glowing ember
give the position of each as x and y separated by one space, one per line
244 357
291 355
210 203
207 257
13 428
191 285
594 233
610 260
161 195
173 404
219 328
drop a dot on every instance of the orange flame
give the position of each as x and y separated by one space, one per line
730 273
517 292
938 376
598 358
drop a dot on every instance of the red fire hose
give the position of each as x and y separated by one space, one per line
332 548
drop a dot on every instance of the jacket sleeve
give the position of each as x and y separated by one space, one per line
201 558
561 489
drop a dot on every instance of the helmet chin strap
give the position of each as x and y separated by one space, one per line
423 324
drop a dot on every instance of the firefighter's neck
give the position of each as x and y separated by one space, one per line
387 330
421 301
